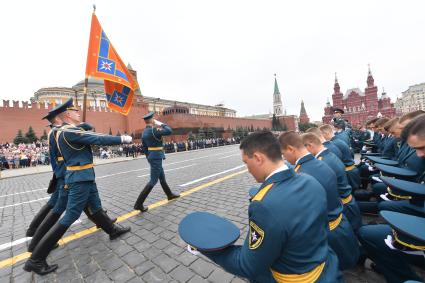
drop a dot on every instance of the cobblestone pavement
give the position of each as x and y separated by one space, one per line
213 180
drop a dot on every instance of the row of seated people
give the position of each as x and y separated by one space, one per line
392 175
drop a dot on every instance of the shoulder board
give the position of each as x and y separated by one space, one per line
262 193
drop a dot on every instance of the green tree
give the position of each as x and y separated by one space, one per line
110 131
30 135
44 136
19 138
118 133
304 127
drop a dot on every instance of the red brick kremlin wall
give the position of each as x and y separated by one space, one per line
22 115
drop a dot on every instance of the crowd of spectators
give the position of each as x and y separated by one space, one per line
26 155
23 155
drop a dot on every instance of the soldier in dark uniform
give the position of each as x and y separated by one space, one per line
53 216
338 117
414 135
57 181
287 238
341 235
154 151
351 209
353 175
328 144
75 146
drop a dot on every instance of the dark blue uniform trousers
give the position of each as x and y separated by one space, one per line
60 205
157 172
55 195
393 264
352 212
80 195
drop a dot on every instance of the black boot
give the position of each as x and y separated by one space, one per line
38 218
168 191
142 197
106 224
44 227
37 261
89 216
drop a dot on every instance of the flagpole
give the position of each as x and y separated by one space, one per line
86 82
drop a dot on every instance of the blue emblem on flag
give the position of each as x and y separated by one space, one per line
119 98
106 66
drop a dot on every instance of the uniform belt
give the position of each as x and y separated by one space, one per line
308 277
349 168
155 148
334 223
79 167
347 199
60 158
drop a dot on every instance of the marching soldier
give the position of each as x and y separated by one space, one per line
75 146
57 180
154 151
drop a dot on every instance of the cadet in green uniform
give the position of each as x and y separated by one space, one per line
341 235
154 151
287 238
75 146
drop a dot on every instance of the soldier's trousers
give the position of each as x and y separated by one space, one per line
393 264
62 198
157 172
80 195
54 197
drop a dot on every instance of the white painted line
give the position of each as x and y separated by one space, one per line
16 204
26 192
212 175
229 156
124 172
14 243
178 168
26 239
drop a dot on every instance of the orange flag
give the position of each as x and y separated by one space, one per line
103 62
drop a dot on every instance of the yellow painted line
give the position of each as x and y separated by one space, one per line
75 236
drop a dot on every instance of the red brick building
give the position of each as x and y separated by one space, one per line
359 106
21 115
304 119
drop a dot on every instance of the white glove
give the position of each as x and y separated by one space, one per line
158 123
192 250
126 139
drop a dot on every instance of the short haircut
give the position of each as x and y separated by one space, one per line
388 125
326 129
314 130
311 138
381 122
371 121
416 127
264 142
290 138
411 115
